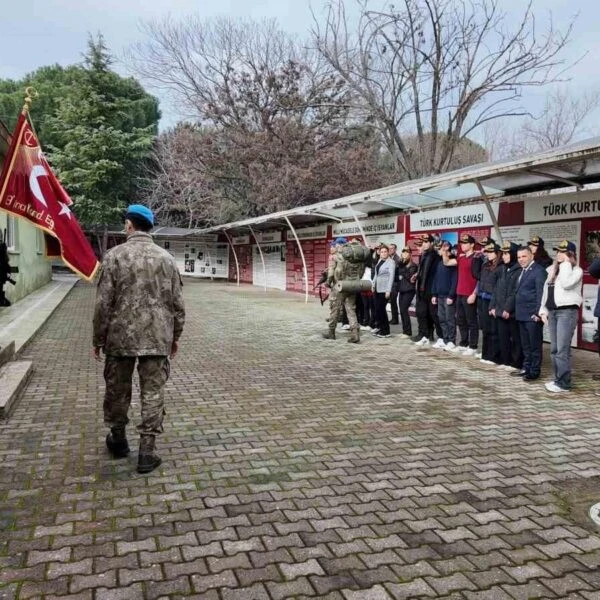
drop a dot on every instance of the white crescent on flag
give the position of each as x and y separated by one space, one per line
34 184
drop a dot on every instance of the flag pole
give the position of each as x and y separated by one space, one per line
30 95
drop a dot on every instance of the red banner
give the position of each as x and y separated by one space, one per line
30 190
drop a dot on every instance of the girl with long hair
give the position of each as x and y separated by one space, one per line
560 308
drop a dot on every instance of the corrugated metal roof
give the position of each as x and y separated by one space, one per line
574 164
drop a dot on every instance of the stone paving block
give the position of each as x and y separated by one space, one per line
204 583
450 583
412 589
107 579
216 564
377 592
566 584
370 577
168 588
132 592
290 589
532 589
36 557
248 577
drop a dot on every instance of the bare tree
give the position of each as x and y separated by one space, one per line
202 63
278 131
437 70
563 119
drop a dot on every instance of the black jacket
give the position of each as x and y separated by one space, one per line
426 271
594 271
404 272
503 298
488 279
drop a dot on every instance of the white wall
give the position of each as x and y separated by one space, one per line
273 254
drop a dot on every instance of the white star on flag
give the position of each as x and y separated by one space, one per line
64 210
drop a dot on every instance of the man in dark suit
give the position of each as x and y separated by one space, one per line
527 305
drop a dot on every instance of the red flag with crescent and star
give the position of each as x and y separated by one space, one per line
30 190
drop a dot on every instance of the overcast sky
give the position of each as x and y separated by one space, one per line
42 32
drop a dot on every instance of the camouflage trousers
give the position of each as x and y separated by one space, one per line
343 300
153 372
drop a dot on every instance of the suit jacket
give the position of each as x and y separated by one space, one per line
383 281
530 289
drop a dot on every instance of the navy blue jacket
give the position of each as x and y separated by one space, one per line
530 288
594 271
444 280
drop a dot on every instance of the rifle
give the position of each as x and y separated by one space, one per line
320 284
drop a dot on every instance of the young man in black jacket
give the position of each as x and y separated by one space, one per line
425 309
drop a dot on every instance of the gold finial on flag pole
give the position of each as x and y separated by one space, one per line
30 95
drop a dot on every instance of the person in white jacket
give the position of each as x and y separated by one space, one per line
560 308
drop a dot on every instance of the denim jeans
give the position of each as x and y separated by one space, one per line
447 318
562 325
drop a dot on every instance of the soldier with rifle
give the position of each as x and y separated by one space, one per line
5 271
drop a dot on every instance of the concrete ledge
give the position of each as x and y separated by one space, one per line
21 321
7 352
13 378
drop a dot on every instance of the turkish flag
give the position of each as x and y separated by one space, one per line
30 190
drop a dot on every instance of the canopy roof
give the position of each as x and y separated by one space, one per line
567 166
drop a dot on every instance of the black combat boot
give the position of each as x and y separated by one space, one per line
354 336
116 442
147 459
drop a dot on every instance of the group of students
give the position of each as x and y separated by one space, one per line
507 291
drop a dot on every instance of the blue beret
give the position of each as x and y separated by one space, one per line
340 240
140 211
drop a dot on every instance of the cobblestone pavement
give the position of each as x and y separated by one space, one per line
296 467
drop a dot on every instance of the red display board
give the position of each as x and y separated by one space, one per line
244 256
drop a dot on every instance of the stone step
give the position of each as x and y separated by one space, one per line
7 352
13 379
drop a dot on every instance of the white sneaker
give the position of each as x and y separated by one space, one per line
470 352
478 354
552 387
422 342
483 361
346 326
439 344
450 347
365 327
403 336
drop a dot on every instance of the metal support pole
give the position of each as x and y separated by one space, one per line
209 260
262 258
303 260
362 233
237 264
488 204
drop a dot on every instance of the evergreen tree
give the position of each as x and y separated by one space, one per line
97 128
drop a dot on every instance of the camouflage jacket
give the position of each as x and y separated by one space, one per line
139 300
340 269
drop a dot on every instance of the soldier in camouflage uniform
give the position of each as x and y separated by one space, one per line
334 303
340 269
139 315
